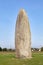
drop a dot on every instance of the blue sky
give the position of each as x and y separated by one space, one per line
8 14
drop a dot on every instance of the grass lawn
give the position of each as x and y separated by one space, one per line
8 58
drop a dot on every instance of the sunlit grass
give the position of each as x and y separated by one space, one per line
10 59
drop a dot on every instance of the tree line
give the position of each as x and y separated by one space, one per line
5 49
37 49
33 49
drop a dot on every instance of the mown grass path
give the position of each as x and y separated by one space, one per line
8 58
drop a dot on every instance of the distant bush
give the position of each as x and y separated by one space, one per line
4 49
0 49
41 48
9 49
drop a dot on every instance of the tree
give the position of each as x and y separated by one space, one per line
41 48
0 49
4 49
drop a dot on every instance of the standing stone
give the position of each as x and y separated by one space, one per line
23 36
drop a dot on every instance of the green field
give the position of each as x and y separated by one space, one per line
8 58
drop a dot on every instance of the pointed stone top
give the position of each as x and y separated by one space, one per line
22 11
22 15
